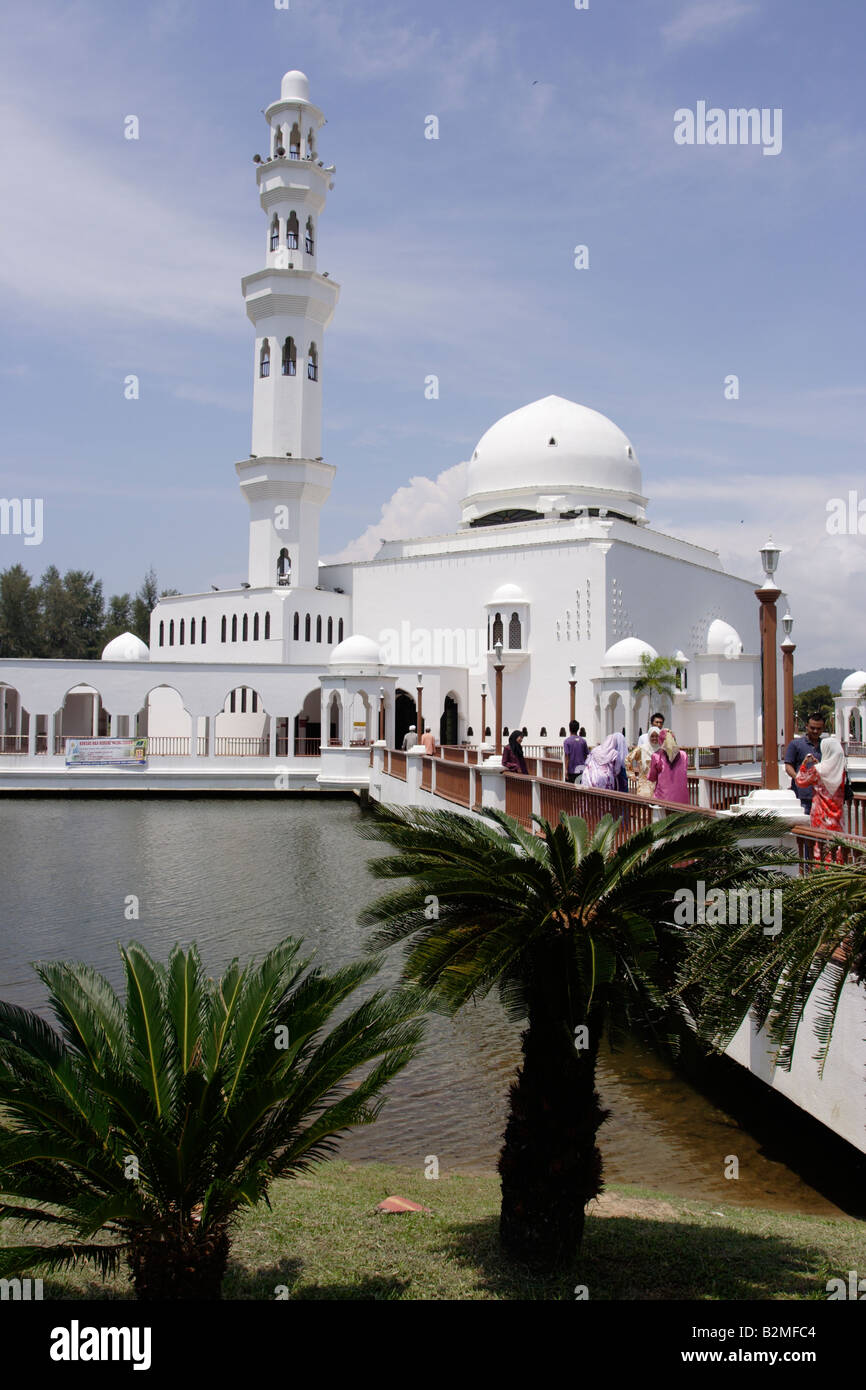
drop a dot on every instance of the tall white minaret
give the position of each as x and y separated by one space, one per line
285 480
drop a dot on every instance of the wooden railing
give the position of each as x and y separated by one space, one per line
398 764
452 782
815 849
518 797
426 774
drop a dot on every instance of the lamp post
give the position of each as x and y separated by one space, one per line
767 597
483 710
498 668
381 712
572 683
788 649
419 707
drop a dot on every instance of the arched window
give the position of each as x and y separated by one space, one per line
497 629
292 231
311 143
268 626
234 627
340 631
171 633
255 703
223 635
255 627
319 628
243 699
284 568
514 633
284 139
182 625
275 232
295 142
162 634
313 363
203 631
232 701
307 628
192 632
245 628
265 359
308 239
290 357
296 627
330 632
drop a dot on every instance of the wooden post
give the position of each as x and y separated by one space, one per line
499 670
788 649
767 597
571 703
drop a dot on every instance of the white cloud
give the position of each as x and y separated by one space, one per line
424 507
706 20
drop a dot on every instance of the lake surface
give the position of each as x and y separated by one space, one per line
237 875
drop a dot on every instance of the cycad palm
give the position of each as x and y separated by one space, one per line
139 1129
571 930
731 973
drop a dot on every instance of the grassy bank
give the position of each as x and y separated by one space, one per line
324 1239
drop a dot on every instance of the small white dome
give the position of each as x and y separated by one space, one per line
853 684
508 593
680 657
295 86
628 652
723 640
126 647
356 651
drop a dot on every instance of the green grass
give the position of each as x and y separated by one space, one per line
324 1239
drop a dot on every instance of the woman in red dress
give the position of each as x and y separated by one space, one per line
827 777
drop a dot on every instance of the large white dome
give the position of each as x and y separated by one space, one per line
853 684
126 647
723 640
295 86
553 455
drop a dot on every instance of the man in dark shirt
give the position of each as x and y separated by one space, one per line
799 749
575 749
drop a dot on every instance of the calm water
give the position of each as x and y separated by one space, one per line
236 876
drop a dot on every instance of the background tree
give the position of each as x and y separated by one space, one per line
819 698
658 680
140 1127
118 617
20 622
143 605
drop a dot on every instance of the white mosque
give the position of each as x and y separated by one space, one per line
554 558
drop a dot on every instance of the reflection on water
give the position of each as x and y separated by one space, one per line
236 876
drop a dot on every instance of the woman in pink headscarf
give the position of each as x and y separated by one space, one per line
669 770
605 765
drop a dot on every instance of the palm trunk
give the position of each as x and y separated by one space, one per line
550 1164
180 1264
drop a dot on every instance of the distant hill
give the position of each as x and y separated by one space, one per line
825 675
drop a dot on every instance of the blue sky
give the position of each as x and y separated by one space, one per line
455 257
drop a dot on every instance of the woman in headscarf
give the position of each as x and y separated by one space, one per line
827 778
639 759
605 766
669 770
512 755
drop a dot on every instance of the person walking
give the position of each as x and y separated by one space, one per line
512 754
807 745
669 770
409 739
605 763
575 748
429 742
826 780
